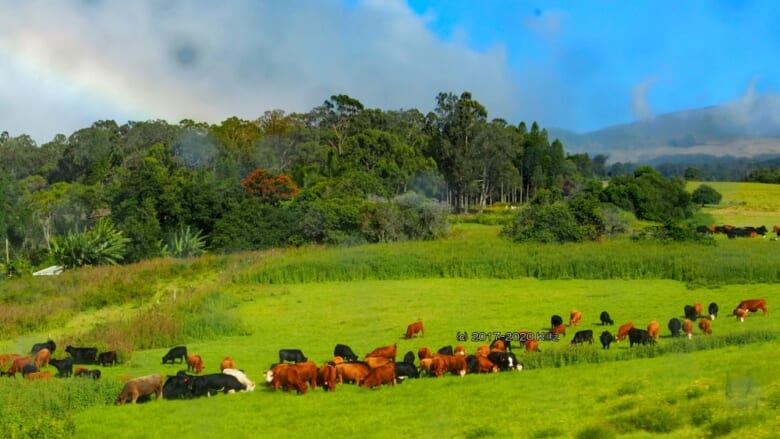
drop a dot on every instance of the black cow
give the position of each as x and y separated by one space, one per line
176 353
216 382
406 370
27 368
606 319
472 364
504 360
84 373
556 320
49 344
64 367
713 310
690 313
294 355
583 336
178 386
703 229
446 350
82 355
675 326
344 351
606 338
409 358
639 336
107 358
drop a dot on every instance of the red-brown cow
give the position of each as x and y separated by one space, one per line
484 365
741 314
7 358
704 325
286 377
385 352
355 371
18 364
440 364
697 307
753 305
654 329
425 365
227 363
381 375
623 331
457 365
531 345
688 328
42 358
483 350
424 352
559 330
374 362
326 377
498 346
141 386
45 375
195 363
574 317
460 350
414 328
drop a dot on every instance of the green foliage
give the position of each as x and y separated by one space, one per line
547 223
101 245
706 194
650 196
680 232
765 175
185 244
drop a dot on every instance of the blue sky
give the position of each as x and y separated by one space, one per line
579 65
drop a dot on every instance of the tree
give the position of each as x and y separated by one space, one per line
101 245
650 196
705 194
269 188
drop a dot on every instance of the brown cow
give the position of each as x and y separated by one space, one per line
654 329
7 358
381 375
355 371
753 305
305 372
18 364
227 363
286 377
623 331
440 364
498 345
741 314
195 363
460 350
697 307
374 362
574 317
425 365
688 328
141 386
42 358
385 352
483 350
45 375
484 365
414 328
531 345
457 365
559 330
704 325
336 360
423 352
326 377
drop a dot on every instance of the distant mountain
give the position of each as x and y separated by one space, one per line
747 127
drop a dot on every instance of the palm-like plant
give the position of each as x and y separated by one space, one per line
185 244
102 245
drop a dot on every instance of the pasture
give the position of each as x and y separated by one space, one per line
744 204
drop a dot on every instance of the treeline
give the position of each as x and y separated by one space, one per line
338 174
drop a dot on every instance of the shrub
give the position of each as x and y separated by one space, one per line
706 194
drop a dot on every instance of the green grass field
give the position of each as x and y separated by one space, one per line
722 385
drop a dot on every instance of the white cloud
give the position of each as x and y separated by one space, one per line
639 104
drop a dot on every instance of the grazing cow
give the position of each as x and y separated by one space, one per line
409 358
381 375
753 305
207 385
414 328
406 370
374 362
690 312
697 306
385 352
623 331
575 317
48 344
687 326
29 368
425 365
741 314
194 363
45 375
606 319
82 355
704 325
446 350
107 358
423 353
18 364
294 355
606 339
355 371
6 358
559 330
483 350
42 358
556 320
713 310
675 325
531 345
326 377
440 363
227 363
583 336
176 353
654 329
139 387
85 373
345 352
480 364
460 350
639 336
285 376
241 377
64 367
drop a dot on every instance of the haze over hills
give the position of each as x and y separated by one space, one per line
748 127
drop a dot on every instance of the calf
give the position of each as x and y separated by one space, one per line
381 375
713 310
64 367
345 352
675 326
139 387
175 353
294 355
606 339
413 329
583 336
606 319
82 355
107 358
639 336
574 318
741 314
194 363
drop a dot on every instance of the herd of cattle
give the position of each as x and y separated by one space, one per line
379 367
738 232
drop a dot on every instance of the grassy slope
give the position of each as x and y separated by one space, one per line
744 204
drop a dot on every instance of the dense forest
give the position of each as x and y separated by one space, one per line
338 174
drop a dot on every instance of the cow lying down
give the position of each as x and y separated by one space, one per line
184 386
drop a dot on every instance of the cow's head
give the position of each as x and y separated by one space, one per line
269 376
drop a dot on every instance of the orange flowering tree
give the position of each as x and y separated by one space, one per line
269 188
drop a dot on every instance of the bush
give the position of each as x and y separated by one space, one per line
706 194
546 223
